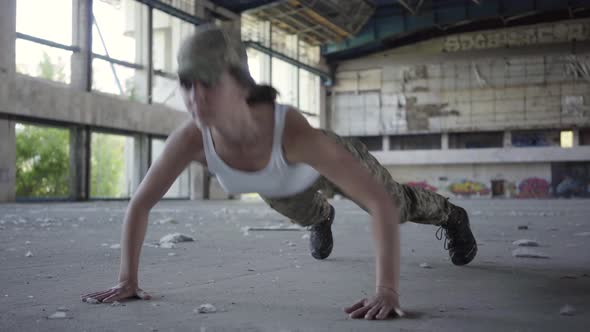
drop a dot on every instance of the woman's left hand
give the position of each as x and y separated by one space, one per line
383 305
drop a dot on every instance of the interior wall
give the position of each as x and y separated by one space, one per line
432 87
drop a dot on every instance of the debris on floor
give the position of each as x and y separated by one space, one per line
29 254
425 266
523 227
115 246
206 308
528 253
167 245
91 300
245 231
117 304
568 277
167 221
171 254
525 243
58 315
305 236
567 310
175 238
275 228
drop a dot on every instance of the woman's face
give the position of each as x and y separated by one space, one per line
210 105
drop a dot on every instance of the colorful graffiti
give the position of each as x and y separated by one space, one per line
421 184
533 188
469 188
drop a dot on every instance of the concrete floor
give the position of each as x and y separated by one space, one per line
266 280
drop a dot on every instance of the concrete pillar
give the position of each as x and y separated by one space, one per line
444 143
142 34
199 182
7 161
386 143
507 139
323 114
81 37
141 155
79 163
7 35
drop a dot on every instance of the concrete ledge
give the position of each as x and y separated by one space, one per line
33 97
483 156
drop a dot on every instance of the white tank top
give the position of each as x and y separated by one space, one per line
277 179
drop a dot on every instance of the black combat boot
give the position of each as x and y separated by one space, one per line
459 240
320 237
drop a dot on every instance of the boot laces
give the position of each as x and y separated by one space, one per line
449 233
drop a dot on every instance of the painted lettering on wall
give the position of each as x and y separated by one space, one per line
540 34
469 188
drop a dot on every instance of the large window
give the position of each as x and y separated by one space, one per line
415 142
181 186
373 143
119 45
42 161
585 136
529 138
284 79
259 65
168 34
297 86
111 165
309 96
476 140
33 23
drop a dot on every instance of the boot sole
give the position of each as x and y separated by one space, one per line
465 259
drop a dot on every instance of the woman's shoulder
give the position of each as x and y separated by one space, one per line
191 136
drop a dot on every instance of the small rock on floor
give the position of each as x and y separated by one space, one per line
425 266
523 227
567 310
527 253
167 221
525 243
58 315
206 308
176 238
29 254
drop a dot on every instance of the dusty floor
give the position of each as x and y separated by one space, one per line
267 281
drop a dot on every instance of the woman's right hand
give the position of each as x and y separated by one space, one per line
124 290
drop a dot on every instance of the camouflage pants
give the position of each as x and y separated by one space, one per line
311 206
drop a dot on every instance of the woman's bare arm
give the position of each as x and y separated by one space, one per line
182 146
302 143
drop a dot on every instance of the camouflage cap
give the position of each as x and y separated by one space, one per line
205 54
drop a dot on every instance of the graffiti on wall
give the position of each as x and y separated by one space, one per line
571 179
533 188
469 188
423 185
